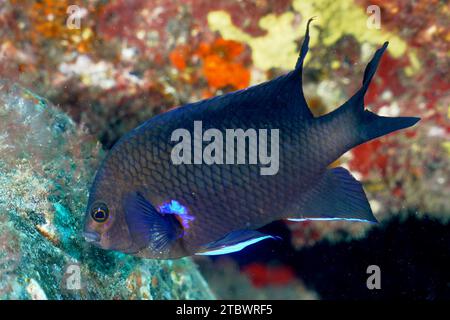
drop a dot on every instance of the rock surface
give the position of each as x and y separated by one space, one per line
46 165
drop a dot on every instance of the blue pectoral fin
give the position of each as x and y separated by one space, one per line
337 196
233 242
147 226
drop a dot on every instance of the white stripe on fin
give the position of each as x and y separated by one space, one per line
329 219
234 248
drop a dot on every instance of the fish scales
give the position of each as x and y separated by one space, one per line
143 204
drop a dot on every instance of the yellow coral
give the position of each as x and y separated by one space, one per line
278 47
345 17
446 146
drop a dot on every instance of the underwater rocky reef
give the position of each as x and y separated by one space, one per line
46 166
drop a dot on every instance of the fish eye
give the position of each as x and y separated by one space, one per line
100 212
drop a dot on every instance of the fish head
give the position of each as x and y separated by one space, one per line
104 222
130 224
120 215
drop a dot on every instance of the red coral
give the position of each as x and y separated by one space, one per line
262 275
423 23
388 77
135 21
221 65
368 157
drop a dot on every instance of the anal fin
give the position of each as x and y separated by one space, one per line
337 196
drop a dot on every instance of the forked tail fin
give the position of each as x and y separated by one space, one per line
373 126
370 125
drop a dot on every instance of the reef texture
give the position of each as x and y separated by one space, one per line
46 165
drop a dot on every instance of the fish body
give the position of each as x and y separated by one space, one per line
150 207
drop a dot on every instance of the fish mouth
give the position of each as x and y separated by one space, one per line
91 237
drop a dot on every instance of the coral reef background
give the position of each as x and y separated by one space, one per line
131 60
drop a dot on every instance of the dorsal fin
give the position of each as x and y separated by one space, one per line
305 48
295 78
285 90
